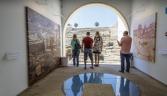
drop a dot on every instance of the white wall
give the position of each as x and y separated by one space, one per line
121 28
157 70
14 73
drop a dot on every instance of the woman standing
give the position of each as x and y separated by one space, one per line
97 48
75 43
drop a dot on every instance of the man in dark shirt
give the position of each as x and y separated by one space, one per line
87 43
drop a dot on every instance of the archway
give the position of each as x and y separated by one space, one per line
89 5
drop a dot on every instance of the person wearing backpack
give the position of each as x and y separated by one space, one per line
75 43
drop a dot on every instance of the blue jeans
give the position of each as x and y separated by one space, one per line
87 52
75 54
127 61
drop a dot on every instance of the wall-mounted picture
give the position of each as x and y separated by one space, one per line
144 36
43 45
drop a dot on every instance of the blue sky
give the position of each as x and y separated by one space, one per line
88 16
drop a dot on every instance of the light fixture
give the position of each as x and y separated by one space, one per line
45 2
42 2
60 15
137 11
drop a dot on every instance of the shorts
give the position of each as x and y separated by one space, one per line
88 52
96 52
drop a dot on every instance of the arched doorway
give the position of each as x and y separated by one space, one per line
121 18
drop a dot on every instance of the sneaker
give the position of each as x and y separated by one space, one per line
121 71
127 71
95 65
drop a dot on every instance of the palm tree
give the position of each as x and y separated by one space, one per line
69 25
75 25
97 24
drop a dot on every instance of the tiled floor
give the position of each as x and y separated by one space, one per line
51 85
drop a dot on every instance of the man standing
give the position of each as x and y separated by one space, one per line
125 44
87 43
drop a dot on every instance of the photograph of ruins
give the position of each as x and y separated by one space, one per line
144 36
43 45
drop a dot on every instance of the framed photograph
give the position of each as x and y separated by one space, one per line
43 45
144 36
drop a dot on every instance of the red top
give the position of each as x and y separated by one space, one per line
88 41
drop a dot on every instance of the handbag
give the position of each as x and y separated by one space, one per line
77 46
101 57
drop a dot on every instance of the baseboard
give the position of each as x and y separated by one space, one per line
150 76
23 91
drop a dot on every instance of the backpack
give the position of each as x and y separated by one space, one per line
76 46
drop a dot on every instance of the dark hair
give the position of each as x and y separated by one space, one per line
126 32
74 37
88 33
98 34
